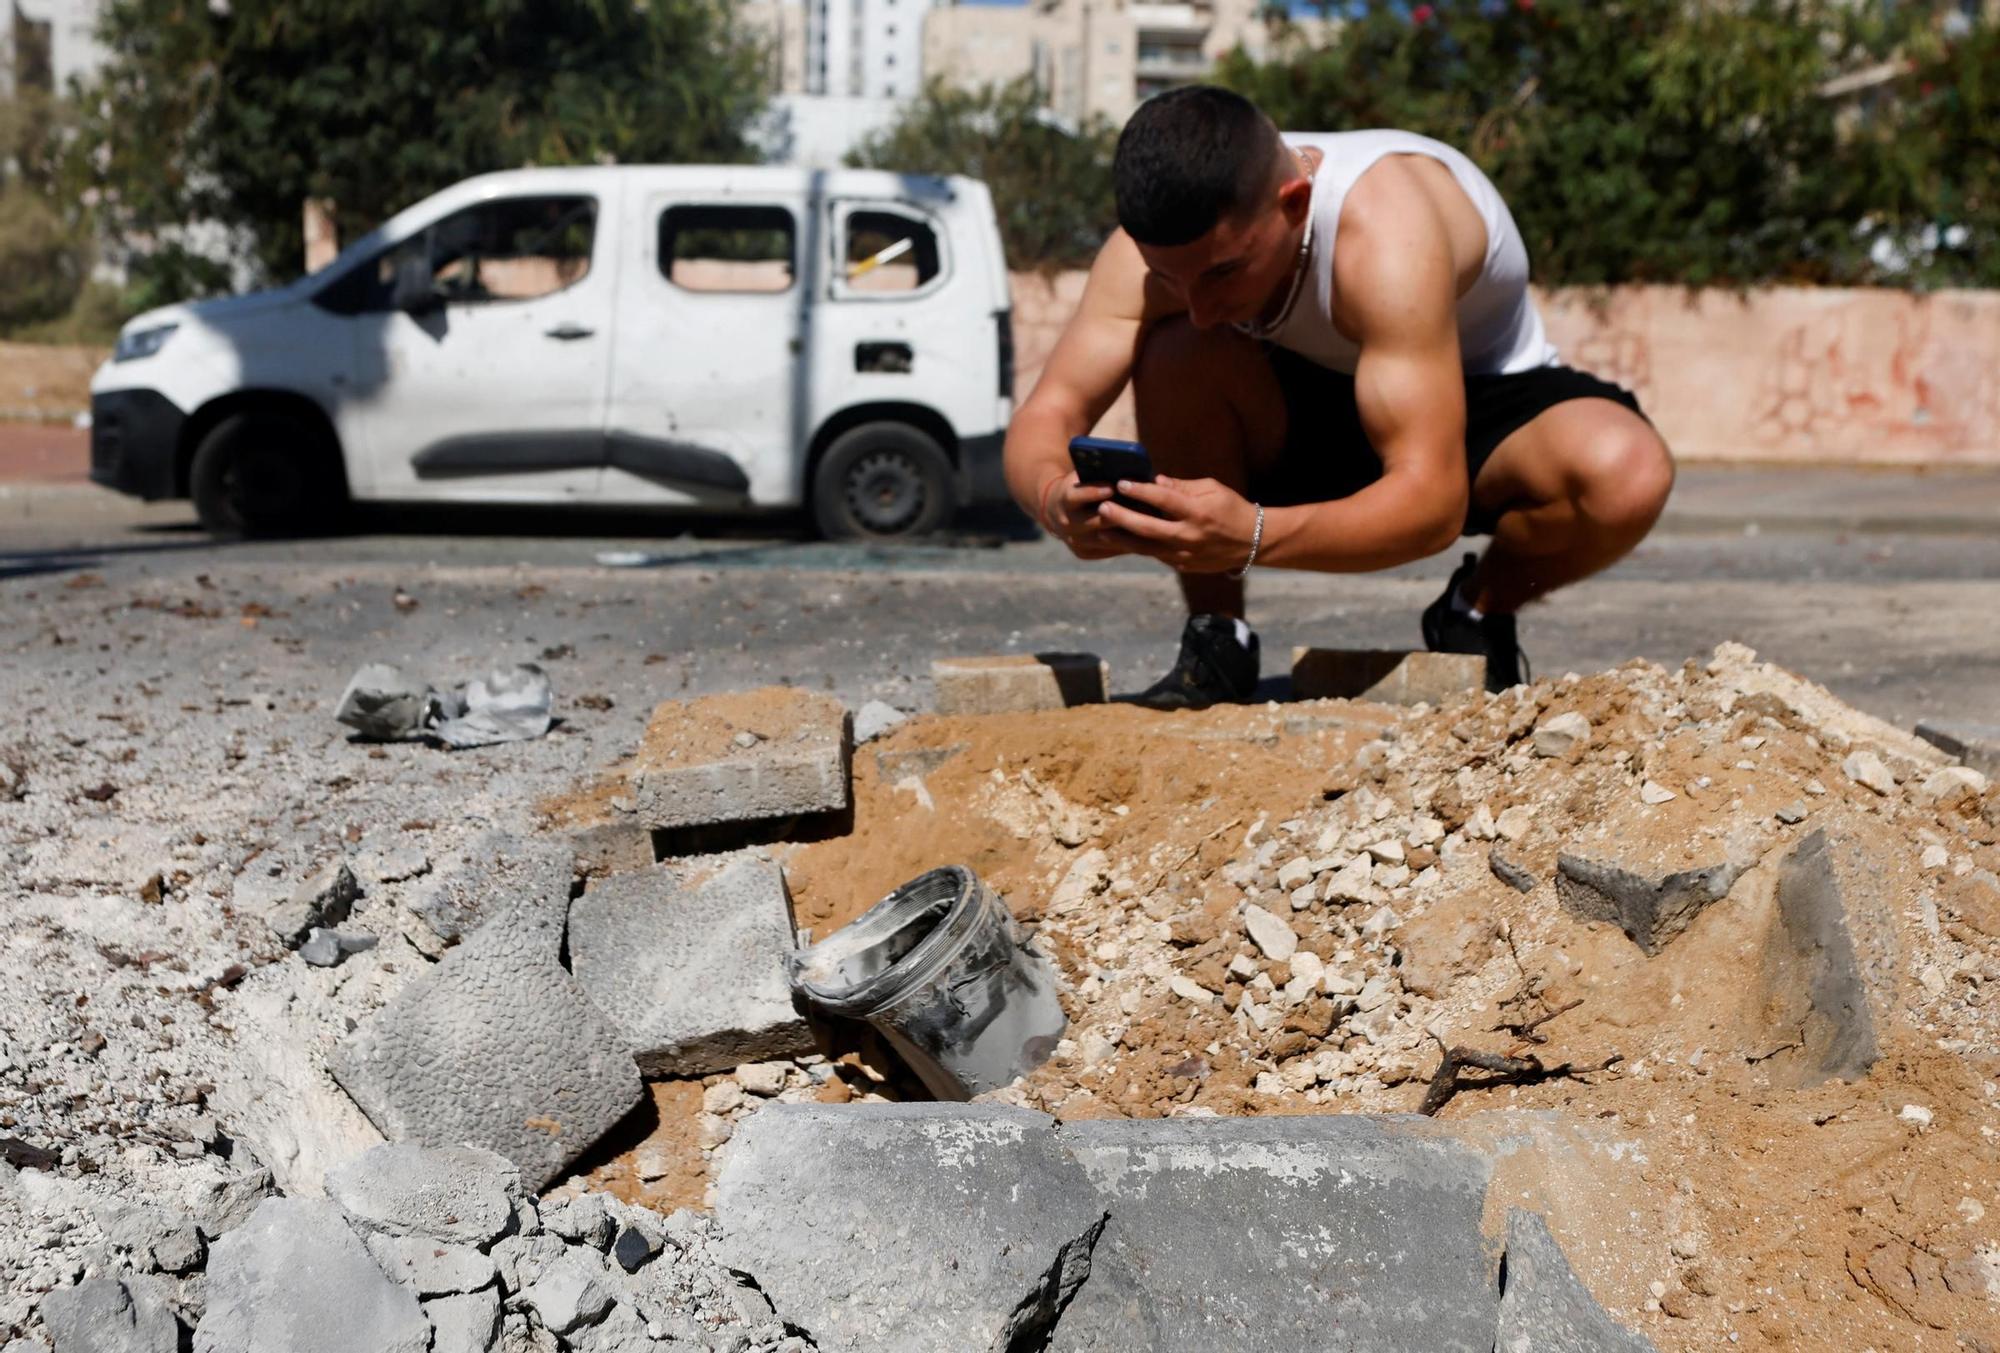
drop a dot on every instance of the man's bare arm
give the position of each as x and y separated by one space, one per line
1398 294
1090 364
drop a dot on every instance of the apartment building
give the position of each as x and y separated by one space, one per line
44 44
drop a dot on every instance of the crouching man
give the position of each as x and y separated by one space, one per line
1337 367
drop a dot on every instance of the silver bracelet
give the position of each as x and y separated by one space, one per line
1256 543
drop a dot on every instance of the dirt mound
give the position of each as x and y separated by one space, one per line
1771 921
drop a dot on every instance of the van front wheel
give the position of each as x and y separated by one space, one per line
265 473
880 481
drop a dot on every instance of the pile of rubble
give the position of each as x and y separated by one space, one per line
1692 968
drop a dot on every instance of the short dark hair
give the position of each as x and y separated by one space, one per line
1189 158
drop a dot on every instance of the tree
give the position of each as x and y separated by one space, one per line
1051 185
43 257
1643 140
235 113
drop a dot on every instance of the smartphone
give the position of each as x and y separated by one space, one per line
1104 460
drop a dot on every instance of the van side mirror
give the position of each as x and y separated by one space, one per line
416 291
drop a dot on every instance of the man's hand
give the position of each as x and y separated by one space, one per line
1207 526
1071 513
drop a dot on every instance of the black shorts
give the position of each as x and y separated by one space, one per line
1327 454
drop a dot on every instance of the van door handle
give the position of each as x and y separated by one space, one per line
565 332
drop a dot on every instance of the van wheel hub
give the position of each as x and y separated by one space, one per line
885 491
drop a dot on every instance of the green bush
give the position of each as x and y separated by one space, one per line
1653 140
1051 184
41 261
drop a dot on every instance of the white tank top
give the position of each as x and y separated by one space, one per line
1499 329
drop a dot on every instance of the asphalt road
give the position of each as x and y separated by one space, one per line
1885 588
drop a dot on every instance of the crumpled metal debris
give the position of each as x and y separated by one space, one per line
508 704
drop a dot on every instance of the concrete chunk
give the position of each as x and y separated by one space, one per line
1652 912
1336 1231
572 1292
690 963
325 899
907 1227
501 870
1019 683
1544 1308
465 1323
1816 977
104 1315
1975 744
430 1268
460 1195
1389 676
496 1046
295 1277
741 757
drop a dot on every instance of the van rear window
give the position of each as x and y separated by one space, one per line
729 248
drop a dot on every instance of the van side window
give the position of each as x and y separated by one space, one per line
728 248
514 249
886 251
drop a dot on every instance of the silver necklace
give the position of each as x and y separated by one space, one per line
1264 329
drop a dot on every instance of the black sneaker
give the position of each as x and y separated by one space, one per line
1213 668
1450 630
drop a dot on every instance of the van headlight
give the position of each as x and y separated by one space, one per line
142 342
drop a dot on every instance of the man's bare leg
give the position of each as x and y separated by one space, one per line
1576 489
1209 407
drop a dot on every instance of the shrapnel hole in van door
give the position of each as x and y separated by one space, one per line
729 248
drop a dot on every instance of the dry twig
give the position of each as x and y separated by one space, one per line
1448 1081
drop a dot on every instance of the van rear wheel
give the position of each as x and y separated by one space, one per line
266 473
881 481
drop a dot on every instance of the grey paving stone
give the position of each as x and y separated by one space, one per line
689 962
104 1315
497 1046
1336 1232
458 1194
1544 1308
501 870
1019 683
1653 912
464 1323
908 1227
1975 744
741 757
295 1277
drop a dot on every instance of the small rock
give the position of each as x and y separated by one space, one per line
1514 823
1917 1114
1352 883
725 1096
1558 735
583 1220
1653 793
763 1079
1380 924
1866 769
1934 857
746 739
1793 813
1270 934
1375 993
1243 967
325 948
1686 1245
104 1315
1480 826
1306 966
714 1130
1296 873
1388 852
571 1292
1952 785
876 719
1815 788
1189 990
323 900
634 1247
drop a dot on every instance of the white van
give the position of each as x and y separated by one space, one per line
703 338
